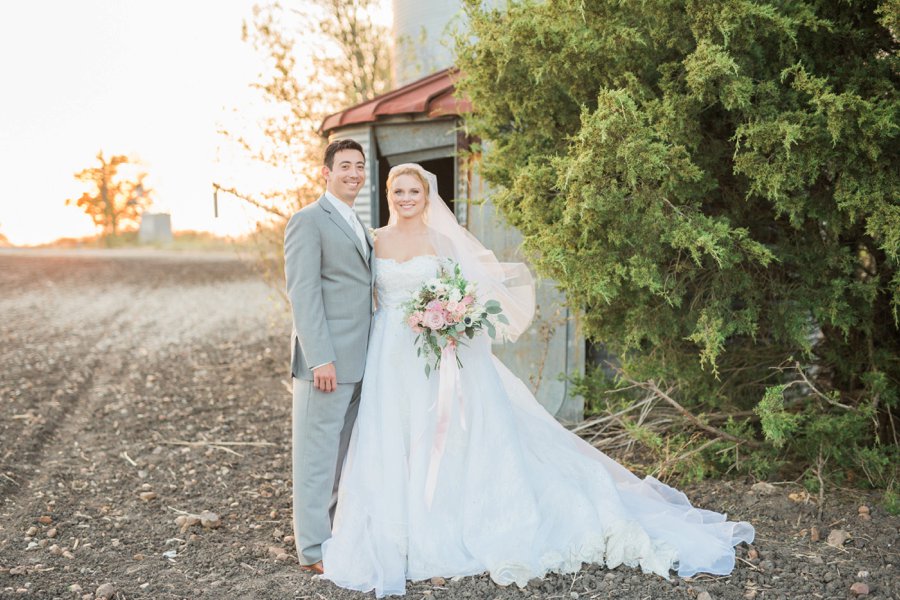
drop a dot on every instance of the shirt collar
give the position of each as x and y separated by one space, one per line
346 211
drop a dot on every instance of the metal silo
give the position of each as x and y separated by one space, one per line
422 43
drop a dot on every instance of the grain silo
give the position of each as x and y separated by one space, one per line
155 228
422 37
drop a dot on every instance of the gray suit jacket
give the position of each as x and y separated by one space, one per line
330 285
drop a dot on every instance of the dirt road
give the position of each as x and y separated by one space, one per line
137 388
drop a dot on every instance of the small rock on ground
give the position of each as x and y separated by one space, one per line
837 537
860 589
105 591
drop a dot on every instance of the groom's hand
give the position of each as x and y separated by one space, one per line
324 378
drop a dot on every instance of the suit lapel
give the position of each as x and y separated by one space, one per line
343 225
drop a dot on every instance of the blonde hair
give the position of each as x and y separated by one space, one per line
395 173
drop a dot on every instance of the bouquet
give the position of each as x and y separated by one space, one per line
444 310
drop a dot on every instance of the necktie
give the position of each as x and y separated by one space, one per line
358 230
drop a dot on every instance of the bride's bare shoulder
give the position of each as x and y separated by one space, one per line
384 239
382 234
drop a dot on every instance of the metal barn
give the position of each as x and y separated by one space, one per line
421 122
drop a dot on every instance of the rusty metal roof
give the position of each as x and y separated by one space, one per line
431 96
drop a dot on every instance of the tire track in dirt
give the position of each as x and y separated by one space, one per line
87 339
30 450
76 317
67 312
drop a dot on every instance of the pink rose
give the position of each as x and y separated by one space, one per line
451 317
434 305
452 306
413 319
466 301
434 319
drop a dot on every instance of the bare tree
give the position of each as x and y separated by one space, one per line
360 59
323 56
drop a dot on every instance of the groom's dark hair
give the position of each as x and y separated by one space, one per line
338 145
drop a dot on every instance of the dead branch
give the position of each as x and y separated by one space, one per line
656 412
607 418
260 205
812 388
651 386
681 457
212 443
820 466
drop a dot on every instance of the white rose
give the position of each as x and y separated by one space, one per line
455 295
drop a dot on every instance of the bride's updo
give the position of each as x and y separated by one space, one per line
414 172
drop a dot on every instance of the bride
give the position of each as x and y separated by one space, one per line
447 482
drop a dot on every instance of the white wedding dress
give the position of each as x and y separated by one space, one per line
517 494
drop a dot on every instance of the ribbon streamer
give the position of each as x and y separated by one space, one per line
448 389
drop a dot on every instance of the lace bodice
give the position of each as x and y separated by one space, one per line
396 281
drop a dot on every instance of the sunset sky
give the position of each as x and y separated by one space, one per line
151 79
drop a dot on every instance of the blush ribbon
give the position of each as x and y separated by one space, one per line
448 390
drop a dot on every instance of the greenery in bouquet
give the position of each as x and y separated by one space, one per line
444 310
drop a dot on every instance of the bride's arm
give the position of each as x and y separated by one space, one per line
378 252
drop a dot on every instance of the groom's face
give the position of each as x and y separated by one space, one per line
347 175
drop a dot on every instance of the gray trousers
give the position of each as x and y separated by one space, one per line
321 423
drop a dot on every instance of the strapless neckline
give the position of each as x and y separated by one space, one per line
396 281
409 260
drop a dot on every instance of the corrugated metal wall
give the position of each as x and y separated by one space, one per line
553 344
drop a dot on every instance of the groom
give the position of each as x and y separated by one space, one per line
328 256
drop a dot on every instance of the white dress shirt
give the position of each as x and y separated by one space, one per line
350 216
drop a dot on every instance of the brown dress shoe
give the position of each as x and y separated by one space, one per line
316 568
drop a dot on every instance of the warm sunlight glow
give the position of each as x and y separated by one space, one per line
152 80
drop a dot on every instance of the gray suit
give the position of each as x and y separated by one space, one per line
329 284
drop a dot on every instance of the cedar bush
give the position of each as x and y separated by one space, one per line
715 184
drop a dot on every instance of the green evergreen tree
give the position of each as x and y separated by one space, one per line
715 183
